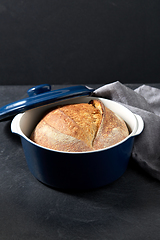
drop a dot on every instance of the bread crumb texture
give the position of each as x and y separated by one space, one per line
79 128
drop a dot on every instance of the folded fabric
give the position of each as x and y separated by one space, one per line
144 101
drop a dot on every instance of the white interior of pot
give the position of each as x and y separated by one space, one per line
30 118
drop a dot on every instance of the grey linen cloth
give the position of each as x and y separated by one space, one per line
144 101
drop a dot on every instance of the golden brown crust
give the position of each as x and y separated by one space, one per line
80 127
111 131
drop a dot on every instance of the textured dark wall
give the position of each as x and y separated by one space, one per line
69 42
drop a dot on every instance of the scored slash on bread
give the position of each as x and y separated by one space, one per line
80 127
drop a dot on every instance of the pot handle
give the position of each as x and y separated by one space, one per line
15 128
140 125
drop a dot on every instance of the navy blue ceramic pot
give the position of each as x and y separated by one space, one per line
78 171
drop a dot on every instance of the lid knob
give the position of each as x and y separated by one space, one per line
39 89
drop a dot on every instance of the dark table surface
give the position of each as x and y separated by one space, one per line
127 209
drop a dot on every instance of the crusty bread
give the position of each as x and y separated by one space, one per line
80 127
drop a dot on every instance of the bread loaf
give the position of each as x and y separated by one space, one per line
80 127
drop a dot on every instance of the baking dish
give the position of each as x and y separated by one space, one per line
72 170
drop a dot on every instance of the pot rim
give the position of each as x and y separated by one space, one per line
138 128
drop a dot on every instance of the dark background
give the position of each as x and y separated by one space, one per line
70 42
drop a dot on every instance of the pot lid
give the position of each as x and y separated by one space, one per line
41 95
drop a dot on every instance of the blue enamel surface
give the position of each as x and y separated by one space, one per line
42 95
39 89
77 171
